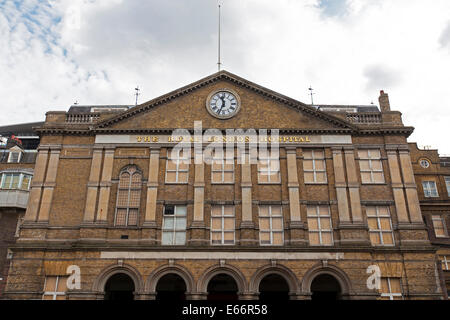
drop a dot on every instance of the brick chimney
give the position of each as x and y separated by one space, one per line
384 102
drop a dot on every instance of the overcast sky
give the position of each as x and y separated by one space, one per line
53 53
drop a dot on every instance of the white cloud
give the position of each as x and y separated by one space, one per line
96 52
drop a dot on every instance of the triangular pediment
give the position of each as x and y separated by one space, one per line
260 108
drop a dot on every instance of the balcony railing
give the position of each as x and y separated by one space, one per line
364 117
14 198
82 117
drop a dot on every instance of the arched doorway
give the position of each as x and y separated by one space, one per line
273 287
222 287
171 287
119 287
325 287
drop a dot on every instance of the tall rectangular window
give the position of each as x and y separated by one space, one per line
447 184
391 289
319 225
440 229
177 169
314 166
128 197
222 169
268 168
55 288
222 224
174 225
380 226
429 189
271 231
371 166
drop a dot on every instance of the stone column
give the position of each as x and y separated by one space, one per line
36 186
152 188
409 183
92 187
247 227
296 225
397 187
49 185
353 186
341 186
105 186
198 228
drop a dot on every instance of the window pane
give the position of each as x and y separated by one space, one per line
373 223
180 238
311 210
263 177
307 165
314 238
216 237
387 238
307 154
50 284
168 223
183 166
124 180
378 177
364 154
135 197
309 177
180 223
216 166
183 176
167 237
47 297
26 182
274 177
216 224
132 217
364 165
277 238
321 177
15 182
277 224
264 210
384 285
325 224
217 177
228 210
122 198
366 177
264 224
171 177
61 297
326 238
312 224
264 237
376 165
171 165
276 210
62 284
121 217
320 165
375 238
229 167
374 154
216 210
229 223
371 211
228 177
395 285
385 223
180 210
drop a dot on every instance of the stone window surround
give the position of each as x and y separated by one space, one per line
441 219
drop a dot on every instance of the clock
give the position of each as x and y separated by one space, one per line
223 103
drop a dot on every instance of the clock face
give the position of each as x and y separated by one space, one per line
223 104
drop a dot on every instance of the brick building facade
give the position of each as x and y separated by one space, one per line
340 198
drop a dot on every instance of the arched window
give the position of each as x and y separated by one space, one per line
128 197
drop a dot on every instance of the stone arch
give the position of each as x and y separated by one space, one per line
337 273
211 272
284 272
158 273
108 272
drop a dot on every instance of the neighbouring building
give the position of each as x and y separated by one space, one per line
18 145
109 198
432 174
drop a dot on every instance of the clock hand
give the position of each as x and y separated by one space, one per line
223 104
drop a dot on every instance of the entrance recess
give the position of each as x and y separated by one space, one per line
119 287
325 287
222 287
273 287
171 287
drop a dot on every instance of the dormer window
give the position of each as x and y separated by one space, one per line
14 157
